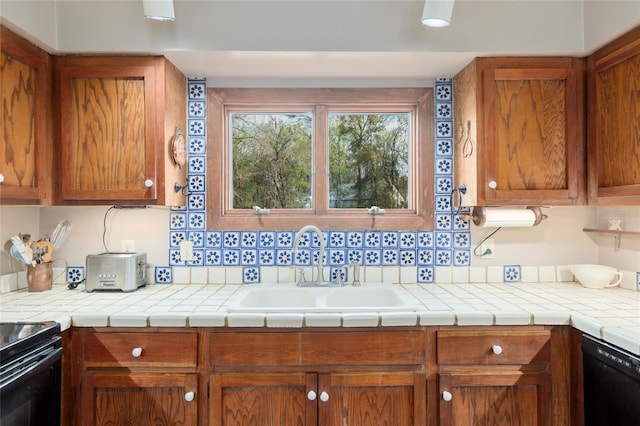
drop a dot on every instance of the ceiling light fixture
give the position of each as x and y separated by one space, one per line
437 13
159 10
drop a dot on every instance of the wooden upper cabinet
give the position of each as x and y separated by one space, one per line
614 122
25 126
518 131
117 119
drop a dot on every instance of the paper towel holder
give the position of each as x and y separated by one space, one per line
479 215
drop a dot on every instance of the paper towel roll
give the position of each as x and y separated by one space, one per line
507 217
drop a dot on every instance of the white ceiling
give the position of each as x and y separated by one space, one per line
321 42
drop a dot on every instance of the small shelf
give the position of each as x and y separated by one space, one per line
616 234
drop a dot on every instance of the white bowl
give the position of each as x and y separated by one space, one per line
596 276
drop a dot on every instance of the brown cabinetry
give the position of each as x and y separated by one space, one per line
117 118
137 377
494 377
614 122
317 378
26 145
518 131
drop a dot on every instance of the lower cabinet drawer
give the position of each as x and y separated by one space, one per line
493 347
157 349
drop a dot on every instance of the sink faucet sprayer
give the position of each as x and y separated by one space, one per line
296 243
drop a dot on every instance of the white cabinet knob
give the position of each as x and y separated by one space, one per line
136 352
324 397
148 183
497 349
311 395
1 178
189 396
493 184
447 396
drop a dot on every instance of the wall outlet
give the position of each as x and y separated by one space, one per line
128 246
488 249
186 250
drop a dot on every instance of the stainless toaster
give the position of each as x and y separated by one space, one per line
116 271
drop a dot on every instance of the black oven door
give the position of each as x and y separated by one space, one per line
611 385
30 387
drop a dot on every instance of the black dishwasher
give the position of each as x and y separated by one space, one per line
611 384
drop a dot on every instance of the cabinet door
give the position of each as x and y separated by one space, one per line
372 398
487 397
108 128
282 399
25 133
614 122
139 399
534 150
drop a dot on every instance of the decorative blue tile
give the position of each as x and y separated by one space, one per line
337 239
75 274
197 238
198 258
176 237
443 257
440 80
266 239
444 129
251 275
407 239
443 222
177 221
196 109
443 185
637 280
197 164
231 257
249 239
197 145
197 90
267 257
407 258
425 239
355 239
444 166
174 257
197 220
425 274
334 272
372 257
461 258
443 109
444 240
355 255
425 257
213 257
302 257
196 183
231 239
214 239
389 239
372 239
389 257
196 202
196 127
163 275
284 239
284 258
460 223
444 147
444 92
304 240
443 204
461 240
337 257
249 257
511 273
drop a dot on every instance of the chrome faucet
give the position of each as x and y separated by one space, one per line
296 243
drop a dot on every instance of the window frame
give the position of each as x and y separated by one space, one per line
322 101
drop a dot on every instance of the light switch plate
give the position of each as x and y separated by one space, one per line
186 250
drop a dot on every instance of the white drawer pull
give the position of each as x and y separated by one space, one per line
493 184
1 178
497 349
324 397
447 396
189 396
148 183
311 395
136 352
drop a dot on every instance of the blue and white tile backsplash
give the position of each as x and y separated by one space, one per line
448 245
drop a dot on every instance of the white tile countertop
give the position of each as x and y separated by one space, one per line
610 314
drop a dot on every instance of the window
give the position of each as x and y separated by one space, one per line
320 156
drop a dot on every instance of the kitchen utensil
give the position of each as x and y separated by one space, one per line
18 250
43 251
596 276
60 233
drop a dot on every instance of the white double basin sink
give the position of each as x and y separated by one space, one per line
269 298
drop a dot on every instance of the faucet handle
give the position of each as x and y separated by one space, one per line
356 273
301 277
